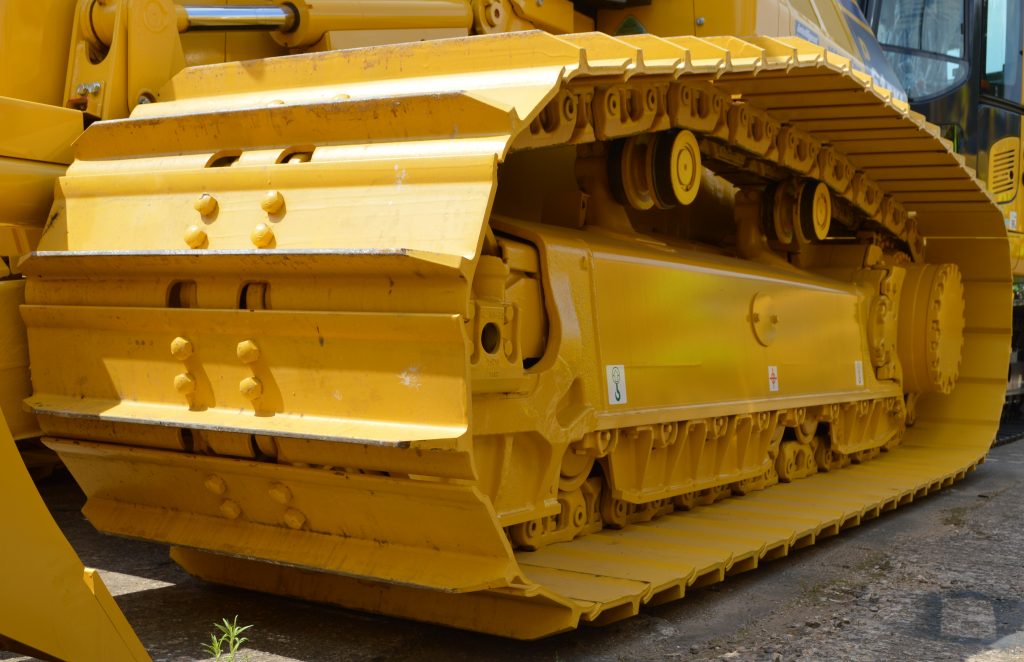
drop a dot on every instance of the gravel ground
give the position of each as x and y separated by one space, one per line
939 580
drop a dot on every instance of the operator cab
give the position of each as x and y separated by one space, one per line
960 63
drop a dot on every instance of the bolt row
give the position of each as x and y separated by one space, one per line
247 351
279 493
262 236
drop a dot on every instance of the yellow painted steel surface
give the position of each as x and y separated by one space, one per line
34 39
14 376
50 605
34 151
392 333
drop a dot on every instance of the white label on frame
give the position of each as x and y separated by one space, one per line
858 372
616 375
773 379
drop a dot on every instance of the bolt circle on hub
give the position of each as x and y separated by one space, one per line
676 168
931 331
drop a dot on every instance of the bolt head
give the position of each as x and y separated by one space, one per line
272 202
185 383
262 236
181 348
251 387
230 509
215 484
247 351
205 204
195 236
294 519
280 493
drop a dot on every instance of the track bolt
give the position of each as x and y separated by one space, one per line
230 509
294 519
280 493
205 204
247 351
272 202
181 348
262 236
185 383
215 484
195 236
251 387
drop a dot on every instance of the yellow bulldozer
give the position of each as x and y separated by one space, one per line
508 315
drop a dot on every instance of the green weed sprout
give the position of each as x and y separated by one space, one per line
226 646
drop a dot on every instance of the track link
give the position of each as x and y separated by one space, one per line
605 577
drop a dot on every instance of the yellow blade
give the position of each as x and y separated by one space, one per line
50 604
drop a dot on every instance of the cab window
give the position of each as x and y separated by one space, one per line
1002 75
924 43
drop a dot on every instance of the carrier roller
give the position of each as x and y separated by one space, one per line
519 332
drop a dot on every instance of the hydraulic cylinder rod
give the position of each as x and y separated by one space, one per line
263 17
298 24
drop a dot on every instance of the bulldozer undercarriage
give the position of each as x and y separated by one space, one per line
570 327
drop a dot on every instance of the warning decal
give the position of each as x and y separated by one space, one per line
858 372
773 379
616 375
